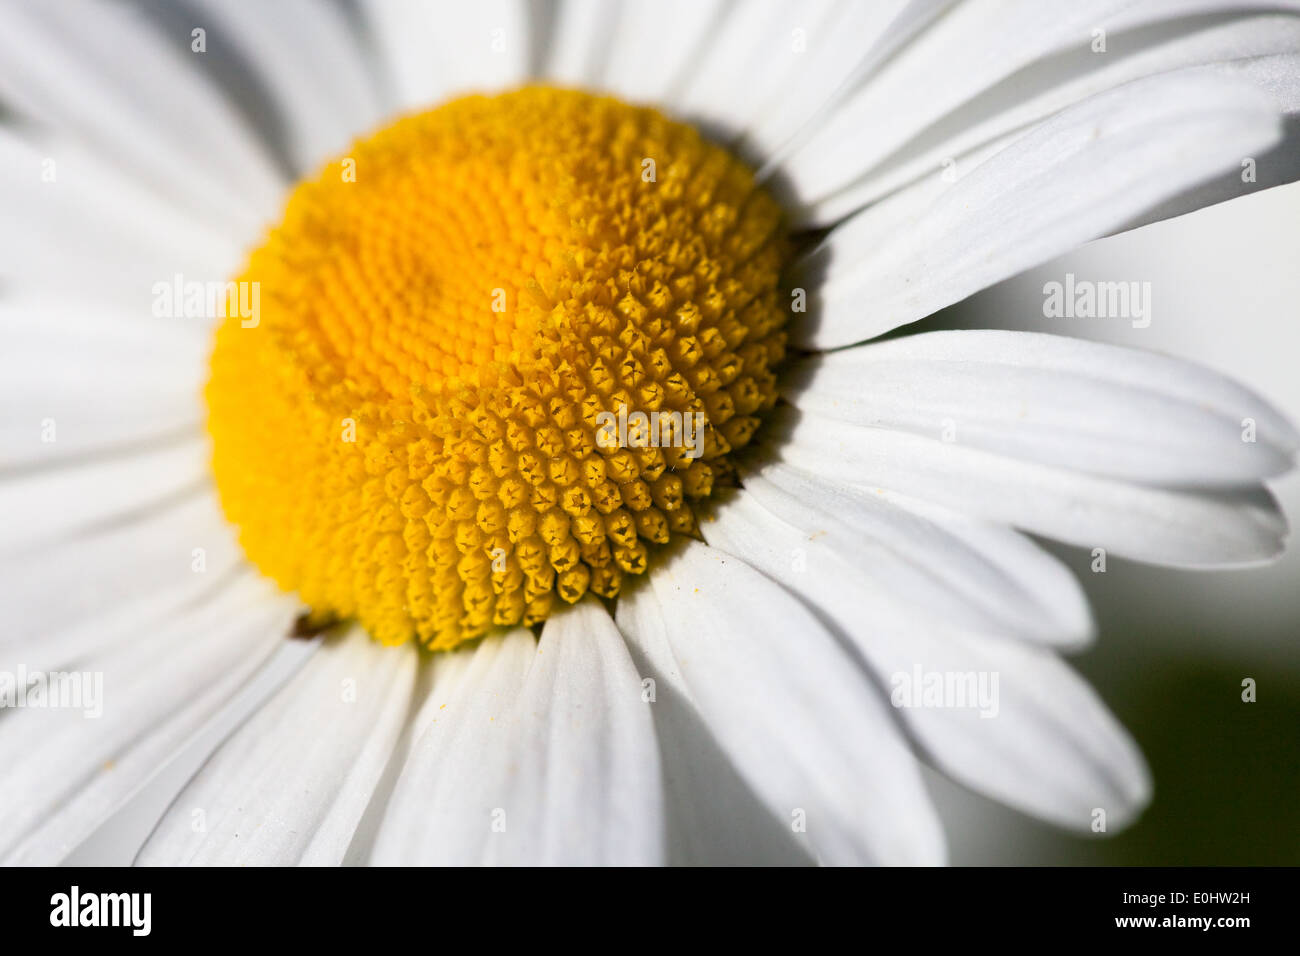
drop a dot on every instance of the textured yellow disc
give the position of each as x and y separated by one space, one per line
432 425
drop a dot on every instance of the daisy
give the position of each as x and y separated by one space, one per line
538 643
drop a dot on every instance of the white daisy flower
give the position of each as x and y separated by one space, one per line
732 644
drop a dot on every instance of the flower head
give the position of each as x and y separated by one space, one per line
547 403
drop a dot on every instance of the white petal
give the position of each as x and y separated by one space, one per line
1083 174
435 50
74 598
1040 740
1058 81
545 754
652 45
1151 12
1279 78
712 815
101 71
753 57
438 683
69 212
579 47
841 51
933 563
970 48
402 32
456 755
788 706
44 506
489 45
311 63
1181 528
63 772
290 786
1080 405
73 386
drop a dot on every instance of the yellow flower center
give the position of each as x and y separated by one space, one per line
500 349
